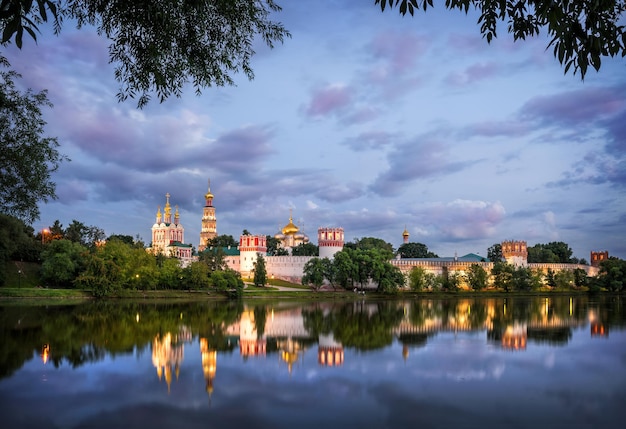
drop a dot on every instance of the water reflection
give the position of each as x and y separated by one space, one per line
555 346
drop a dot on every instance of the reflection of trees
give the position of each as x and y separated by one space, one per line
88 332
555 336
366 328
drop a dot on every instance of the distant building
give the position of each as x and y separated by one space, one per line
168 238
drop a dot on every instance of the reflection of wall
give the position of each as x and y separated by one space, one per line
598 329
329 352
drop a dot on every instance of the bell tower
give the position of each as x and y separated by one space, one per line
209 222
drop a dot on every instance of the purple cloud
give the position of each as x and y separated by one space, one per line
415 160
472 74
329 100
466 219
577 108
398 51
371 140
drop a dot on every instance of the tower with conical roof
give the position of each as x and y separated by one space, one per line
209 222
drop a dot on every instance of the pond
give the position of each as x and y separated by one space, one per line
553 361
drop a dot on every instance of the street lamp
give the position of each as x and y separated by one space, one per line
44 231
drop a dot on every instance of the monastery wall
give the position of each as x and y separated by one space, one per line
289 268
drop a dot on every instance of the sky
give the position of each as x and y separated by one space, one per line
364 120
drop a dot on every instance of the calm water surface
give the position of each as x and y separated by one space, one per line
484 363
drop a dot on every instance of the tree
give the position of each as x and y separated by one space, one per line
27 157
215 258
582 32
366 243
222 241
16 243
612 275
273 247
494 253
477 277
159 46
196 276
62 263
417 279
305 249
554 252
313 273
415 250
260 272
502 275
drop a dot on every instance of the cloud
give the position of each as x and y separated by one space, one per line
575 108
371 140
419 159
465 219
397 53
472 74
331 99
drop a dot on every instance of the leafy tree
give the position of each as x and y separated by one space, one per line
494 253
305 249
564 279
16 243
612 275
159 46
127 239
582 32
222 241
415 250
273 247
367 243
477 277
417 279
522 279
215 258
502 275
170 273
451 281
550 278
245 232
554 252
27 157
196 276
313 273
330 271
580 278
345 268
260 271
62 263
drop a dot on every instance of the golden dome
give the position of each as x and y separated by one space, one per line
208 195
290 228
405 233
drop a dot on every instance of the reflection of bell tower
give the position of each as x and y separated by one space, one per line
209 364
209 222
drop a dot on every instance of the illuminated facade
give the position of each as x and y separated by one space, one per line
209 221
168 238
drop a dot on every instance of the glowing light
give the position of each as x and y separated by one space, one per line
137 317
45 353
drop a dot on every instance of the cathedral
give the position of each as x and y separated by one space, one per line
168 238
